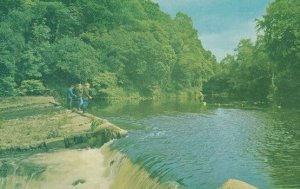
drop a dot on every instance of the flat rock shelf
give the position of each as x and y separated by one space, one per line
39 123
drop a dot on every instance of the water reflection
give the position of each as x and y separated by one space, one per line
140 109
282 148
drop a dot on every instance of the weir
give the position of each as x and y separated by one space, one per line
98 168
125 174
67 160
86 169
78 168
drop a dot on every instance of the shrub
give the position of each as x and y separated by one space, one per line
7 86
32 87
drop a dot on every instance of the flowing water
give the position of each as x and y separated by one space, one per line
201 147
60 170
170 145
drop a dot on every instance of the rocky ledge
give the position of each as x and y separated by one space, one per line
39 123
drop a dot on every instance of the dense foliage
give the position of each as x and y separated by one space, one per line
269 70
120 47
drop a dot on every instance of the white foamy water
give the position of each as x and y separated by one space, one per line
65 169
85 169
71 169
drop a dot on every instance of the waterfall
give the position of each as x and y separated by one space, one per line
84 168
124 174
60 169
15 174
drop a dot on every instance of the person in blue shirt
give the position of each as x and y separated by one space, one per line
70 96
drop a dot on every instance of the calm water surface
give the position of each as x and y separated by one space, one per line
201 147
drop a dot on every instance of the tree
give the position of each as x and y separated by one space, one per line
281 34
11 44
137 46
72 60
244 76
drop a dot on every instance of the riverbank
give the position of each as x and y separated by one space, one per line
39 123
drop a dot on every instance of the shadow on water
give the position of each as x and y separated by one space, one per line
125 113
282 148
145 107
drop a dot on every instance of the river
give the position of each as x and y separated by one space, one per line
202 147
172 144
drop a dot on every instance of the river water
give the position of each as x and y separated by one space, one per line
201 147
172 144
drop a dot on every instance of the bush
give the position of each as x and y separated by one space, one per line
7 86
106 85
32 87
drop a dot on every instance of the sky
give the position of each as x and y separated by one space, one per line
220 23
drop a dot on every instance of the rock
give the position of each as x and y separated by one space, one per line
237 184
